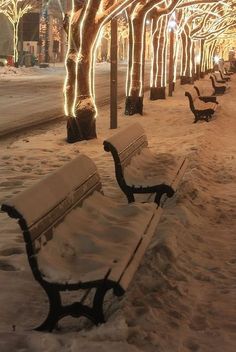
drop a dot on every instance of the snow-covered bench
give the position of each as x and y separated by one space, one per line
206 98
77 238
219 88
140 171
202 108
223 76
227 72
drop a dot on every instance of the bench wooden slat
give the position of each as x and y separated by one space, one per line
181 168
56 215
47 201
121 140
133 264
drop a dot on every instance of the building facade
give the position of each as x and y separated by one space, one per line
41 32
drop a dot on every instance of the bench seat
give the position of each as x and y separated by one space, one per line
201 105
94 239
148 168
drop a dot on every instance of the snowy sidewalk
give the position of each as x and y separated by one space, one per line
183 295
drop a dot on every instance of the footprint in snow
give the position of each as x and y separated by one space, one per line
5 266
10 251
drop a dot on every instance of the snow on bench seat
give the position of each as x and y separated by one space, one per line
147 169
94 239
77 238
139 170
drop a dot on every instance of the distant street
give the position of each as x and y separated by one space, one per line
26 100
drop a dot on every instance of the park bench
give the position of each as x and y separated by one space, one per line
206 98
138 170
227 72
219 80
218 88
224 77
78 239
202 108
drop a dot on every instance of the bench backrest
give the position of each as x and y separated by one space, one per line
192 96
213 81
45 204
123 146
197 90
221 74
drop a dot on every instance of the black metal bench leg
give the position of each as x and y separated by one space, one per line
98 303
196 119
54 313
77 309
163 189
130 197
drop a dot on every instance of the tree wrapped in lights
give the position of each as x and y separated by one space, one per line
135 76
158 77
14 10
137 19
191 19
123 34
86 22
216 23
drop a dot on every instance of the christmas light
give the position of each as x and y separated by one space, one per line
216 59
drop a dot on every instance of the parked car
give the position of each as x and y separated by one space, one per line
3 60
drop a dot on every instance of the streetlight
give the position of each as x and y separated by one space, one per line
216 59
172 26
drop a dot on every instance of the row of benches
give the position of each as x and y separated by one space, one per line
79 239
203 107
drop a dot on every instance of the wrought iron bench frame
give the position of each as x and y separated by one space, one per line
117 280
222 80
218 90
206 98
225 78
123 158
203 114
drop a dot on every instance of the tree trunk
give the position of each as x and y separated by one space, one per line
202 71
158 90
193 73
134 99
186 74
15 42
176 57
80 105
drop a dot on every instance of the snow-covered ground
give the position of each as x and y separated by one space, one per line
182 297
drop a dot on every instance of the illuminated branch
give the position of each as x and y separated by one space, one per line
3 3
196 2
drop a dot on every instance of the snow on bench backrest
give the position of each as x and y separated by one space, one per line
126 143
193 94
45 203
214 83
